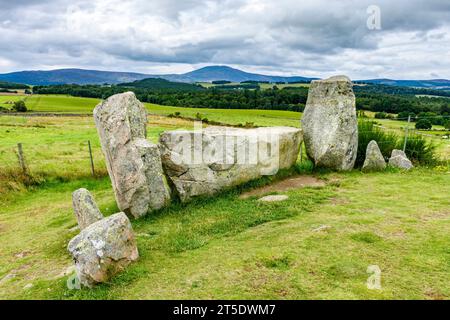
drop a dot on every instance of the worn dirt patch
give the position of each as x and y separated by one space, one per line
436 216
285 185
434 295
339 201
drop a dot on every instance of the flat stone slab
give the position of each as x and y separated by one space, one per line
204 162
274 198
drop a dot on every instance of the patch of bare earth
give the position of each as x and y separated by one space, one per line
339 201
434 295
285 185
435 216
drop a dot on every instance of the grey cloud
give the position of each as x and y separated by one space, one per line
310 37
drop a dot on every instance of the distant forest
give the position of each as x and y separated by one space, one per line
377 98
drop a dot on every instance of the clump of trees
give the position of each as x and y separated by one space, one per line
424 124
11 85
383 115
221 82
19 106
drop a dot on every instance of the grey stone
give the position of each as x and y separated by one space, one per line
274 198
103 249
322 228
85 208
330 125
205 162
374 158
28 286
134 164
8 277
399 159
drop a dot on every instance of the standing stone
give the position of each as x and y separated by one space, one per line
374 158
399 159
330 125
85 208
134 164
103 249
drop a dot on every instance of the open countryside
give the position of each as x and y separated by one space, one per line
57 155
216 159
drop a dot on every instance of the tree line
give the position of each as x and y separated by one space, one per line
371 97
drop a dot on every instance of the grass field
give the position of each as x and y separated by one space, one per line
230 248
53 103
57 148
68 104
224 247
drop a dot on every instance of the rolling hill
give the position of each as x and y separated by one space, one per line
425 84
161 84
206 74
80 76
214 73
70 76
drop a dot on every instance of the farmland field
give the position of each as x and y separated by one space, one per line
68 104
53 103
224 247
274 252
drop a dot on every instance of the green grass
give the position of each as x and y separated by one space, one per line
53 103
6 101
224 247
234 116
68 104
57 147
230 248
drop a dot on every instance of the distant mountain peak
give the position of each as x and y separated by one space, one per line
204 74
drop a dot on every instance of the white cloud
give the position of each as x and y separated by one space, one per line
311 38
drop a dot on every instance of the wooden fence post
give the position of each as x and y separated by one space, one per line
92 160
406 133
21 158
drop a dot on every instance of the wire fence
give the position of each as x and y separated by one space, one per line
63 158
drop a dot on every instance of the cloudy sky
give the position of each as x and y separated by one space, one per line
286 37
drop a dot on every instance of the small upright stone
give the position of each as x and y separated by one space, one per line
374 159
85 208
329 123
400 160
103 249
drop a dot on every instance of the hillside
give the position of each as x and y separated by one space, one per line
161 84
213 73
206 74
431 84
70 76
80 76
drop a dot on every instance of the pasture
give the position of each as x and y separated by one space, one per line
316 245
77 105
